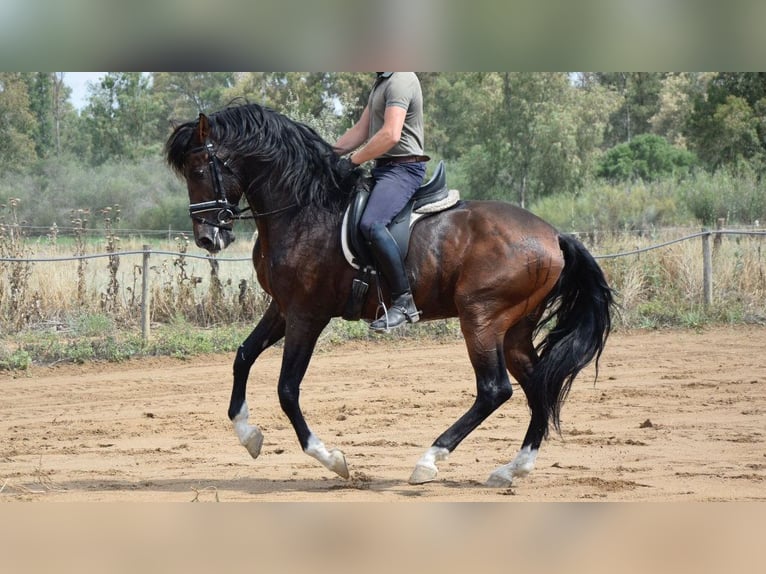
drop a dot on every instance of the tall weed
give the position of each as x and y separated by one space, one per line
17 301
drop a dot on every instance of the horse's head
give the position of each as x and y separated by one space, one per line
281 165
213 186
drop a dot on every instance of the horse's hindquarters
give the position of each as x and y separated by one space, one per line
482 253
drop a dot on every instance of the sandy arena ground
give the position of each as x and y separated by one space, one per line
674 416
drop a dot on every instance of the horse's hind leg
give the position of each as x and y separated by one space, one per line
493 388
270 329
521 357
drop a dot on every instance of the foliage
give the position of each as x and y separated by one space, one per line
183 95
699 198
614 207
639 103
17 123
727 123
40 88
647 157
18 360
675 105
739 198
454 125
535 134
142 189
514 136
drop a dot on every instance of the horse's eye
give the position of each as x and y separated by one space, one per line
198 173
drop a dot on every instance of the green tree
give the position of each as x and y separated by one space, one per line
63 113
183 95
725 133
306 93
280 90
350 90
122 118
539 135
727 125
750 86
453 104
676 105
640 93
40 86
18 125
648 157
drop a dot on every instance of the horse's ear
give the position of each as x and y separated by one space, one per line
203 128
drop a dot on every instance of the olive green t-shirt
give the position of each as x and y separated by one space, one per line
399 89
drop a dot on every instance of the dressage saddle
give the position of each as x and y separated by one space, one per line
431 198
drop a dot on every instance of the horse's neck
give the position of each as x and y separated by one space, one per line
299 229
282 221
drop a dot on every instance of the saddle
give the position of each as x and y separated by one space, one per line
431 198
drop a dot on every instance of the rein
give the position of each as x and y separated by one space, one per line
225 211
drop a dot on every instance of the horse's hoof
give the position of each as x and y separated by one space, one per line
499 479
423 473
253 441
338 463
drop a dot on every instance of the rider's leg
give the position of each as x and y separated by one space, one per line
394 186
389 259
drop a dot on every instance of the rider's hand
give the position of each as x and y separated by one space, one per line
345 169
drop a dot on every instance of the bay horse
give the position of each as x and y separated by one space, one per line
508 276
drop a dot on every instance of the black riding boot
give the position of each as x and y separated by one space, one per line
391 265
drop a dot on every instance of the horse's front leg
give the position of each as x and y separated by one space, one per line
270 329
302 334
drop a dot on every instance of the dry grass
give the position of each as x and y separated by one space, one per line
665 285
655 288
179 285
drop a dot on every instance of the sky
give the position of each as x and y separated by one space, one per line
78 81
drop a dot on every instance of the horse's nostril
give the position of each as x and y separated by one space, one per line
207 244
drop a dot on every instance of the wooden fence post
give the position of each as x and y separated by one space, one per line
145 296
707 269
718 236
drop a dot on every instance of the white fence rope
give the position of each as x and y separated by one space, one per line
211 258
147 252
119 254
679 240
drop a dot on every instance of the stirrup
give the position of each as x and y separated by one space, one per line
396 315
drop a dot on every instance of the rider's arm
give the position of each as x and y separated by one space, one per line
385 138
355 136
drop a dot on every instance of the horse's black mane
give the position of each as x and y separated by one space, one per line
299 160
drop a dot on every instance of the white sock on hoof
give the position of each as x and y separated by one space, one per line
521 466
333 460
425 469
249 436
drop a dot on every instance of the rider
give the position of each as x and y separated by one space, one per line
392 127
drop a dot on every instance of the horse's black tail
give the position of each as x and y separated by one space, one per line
579 314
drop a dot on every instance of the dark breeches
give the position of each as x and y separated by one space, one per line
394 186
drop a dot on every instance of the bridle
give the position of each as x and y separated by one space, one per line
225 212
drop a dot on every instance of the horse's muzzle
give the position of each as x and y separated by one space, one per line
212 238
